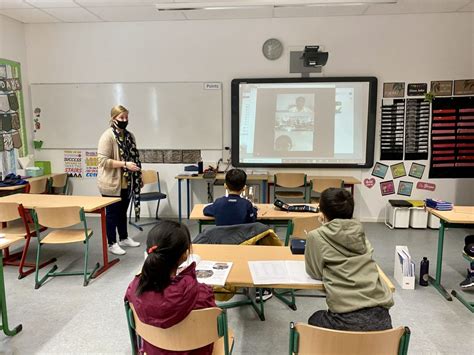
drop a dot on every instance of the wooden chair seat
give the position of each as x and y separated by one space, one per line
16 228
291 194
65 236
219 344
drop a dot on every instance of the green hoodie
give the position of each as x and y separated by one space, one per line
339 254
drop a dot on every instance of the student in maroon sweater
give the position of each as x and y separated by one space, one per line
160 296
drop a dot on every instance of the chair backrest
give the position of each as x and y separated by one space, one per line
150 177
310 340
198 329
59 217
290 180
39 186
303 225
59 183
321 184
9 211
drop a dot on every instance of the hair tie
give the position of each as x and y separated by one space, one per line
152 249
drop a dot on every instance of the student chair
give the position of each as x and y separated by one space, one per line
290 186
320 184
301 226
59 184
200 328
17 222
148 177
306 339
37 186
61 218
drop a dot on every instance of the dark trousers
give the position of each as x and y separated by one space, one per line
362 320
116 217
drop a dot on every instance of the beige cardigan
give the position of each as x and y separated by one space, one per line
109 180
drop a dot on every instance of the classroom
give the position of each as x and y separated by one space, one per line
370 101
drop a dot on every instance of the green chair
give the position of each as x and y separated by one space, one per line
200 328
61 218
59 184
306 339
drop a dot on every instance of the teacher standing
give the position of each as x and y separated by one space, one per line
119 175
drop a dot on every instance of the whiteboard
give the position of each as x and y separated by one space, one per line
162 115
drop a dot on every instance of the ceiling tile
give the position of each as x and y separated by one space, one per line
118 3
468 8
14 4
52 3
29 15
320 10
135 13
73 15
416 6
202 14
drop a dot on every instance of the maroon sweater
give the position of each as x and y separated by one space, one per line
169 307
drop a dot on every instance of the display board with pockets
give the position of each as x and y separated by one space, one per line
162 115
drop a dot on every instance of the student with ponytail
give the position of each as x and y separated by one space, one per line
161 296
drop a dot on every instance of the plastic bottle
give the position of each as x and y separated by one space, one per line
424 271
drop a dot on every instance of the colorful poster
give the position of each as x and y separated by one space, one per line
398 170
405 188
387 188
73 163
91 164
380 170
416 170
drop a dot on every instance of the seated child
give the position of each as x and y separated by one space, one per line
160 296
339 254
232 209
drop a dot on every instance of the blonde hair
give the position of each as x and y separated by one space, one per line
117 110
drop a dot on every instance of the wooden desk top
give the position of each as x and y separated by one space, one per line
221 176
240 255
8 241
18 187
265 211
89 203
459 214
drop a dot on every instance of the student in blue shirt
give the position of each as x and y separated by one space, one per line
232 209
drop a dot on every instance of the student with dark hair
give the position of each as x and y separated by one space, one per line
232 209
161 296
339 254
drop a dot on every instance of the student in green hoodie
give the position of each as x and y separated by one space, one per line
339 254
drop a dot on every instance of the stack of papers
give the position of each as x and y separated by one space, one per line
280 272
439 204
408 266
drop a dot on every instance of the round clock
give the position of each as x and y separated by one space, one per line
272 49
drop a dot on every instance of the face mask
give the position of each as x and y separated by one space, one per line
121 124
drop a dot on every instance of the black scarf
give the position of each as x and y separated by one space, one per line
129 152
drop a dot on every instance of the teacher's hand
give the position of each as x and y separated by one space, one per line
130 165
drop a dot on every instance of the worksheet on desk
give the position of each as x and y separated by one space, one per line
280 272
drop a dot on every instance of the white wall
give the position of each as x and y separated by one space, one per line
411 48
13 47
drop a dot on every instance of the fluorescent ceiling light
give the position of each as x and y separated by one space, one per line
232 5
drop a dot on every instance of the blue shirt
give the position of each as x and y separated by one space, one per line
230 210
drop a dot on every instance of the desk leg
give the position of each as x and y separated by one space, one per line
436 282
179 200
250 294
264 191
289 232
188 197
3 305
107 264
289 302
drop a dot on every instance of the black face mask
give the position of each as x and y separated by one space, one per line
121 124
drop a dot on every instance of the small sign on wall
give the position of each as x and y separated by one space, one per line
442 87
418 89
393 90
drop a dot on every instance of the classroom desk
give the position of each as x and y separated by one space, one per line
91 204
458 217
252 179
4 244
240 275
11 189
267 213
